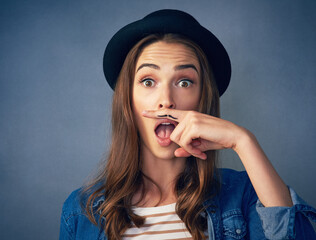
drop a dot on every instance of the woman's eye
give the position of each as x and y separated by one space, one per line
185 83
148 82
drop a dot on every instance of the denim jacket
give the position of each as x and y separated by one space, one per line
234 213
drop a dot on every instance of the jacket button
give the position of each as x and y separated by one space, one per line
238 231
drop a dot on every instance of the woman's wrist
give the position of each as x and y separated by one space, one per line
243 139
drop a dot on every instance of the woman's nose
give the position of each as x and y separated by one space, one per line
166 99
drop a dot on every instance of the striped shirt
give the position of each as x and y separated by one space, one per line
161 222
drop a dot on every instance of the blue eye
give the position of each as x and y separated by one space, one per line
185 83
148 82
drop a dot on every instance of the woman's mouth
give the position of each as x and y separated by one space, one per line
163 130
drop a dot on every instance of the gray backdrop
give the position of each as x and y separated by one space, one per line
55 103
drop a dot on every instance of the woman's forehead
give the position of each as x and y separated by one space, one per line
161 53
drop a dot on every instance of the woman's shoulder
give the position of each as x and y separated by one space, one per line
74 221
75 202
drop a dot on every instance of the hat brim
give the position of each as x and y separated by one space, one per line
163 22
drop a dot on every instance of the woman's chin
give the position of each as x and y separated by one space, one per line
160 150
165 152
165 156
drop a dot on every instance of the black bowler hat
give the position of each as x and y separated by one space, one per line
166 21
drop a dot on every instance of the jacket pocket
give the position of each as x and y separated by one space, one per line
234 224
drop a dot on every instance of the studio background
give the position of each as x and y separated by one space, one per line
55 105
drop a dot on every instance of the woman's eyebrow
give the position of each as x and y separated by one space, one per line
176 68
185 66
148 65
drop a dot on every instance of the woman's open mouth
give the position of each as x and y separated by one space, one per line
163 130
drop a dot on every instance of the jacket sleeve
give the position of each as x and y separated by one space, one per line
65 231
288 222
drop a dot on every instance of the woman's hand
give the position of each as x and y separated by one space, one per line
197 132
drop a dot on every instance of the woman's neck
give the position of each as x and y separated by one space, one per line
162 174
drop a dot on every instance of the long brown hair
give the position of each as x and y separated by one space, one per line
122 175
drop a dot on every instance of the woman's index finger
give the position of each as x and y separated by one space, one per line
172 114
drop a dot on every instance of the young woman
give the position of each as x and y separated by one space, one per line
160 180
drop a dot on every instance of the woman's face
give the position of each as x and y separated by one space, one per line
167 75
